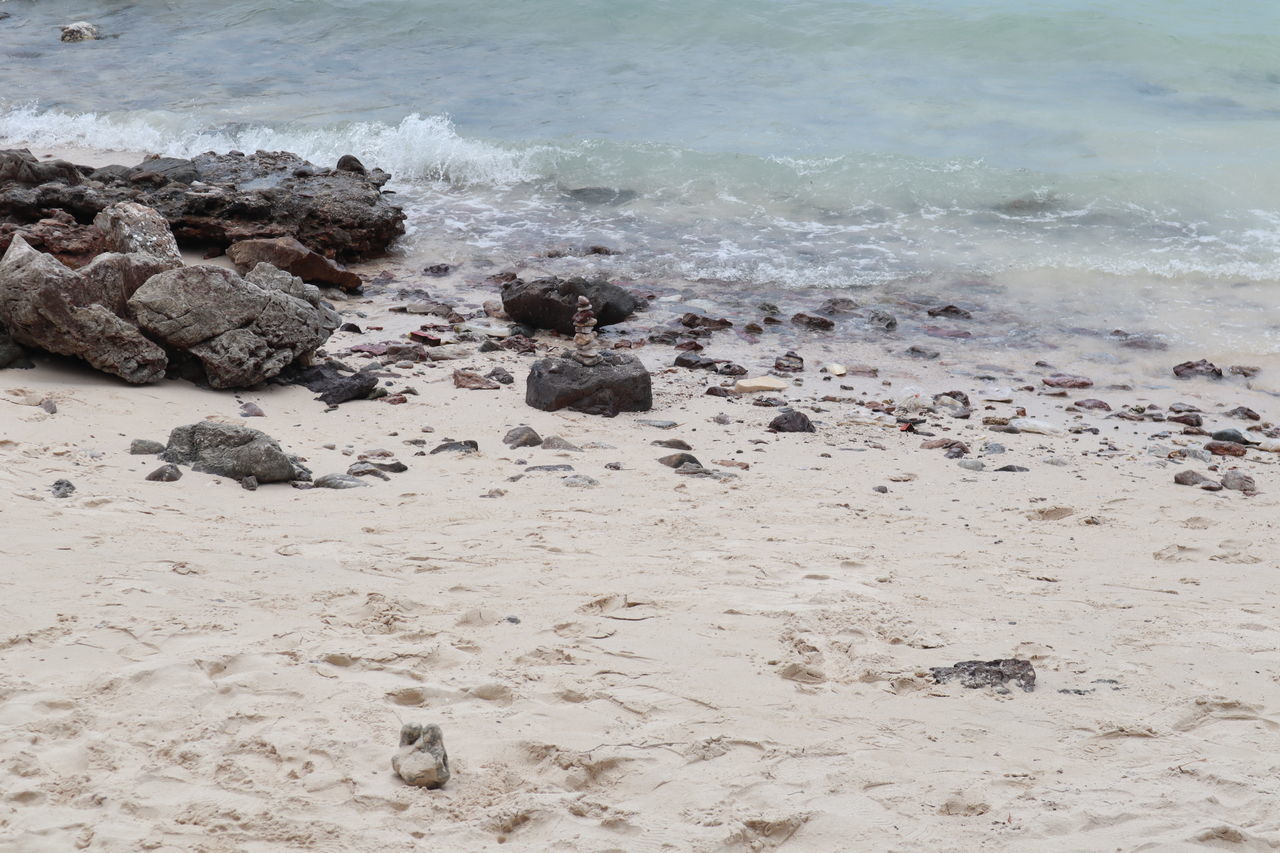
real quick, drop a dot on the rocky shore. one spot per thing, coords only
(616, 556)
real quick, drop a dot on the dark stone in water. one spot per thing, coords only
(699, 321)
(837, 305)
(991, 673)
(922, 352)
(882, 320)
(1188, 369)
(809, 321)
(950, 311)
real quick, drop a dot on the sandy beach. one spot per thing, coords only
(660, 661)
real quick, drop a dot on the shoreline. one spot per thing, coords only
(192, 665)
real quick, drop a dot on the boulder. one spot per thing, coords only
(618, 383)
(550, 303)
(58, 234)
(243, 330)
(82, 313)
(287, 254)
(232, 451)
(129, 227)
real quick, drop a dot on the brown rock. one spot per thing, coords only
(473, 381)
(1188, 369)
(1066, 380)
(288, 254)
(1226, 448)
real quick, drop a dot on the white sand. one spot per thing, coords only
(697, 665)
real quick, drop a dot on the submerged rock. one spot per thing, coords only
(618, 383)
(232, 451)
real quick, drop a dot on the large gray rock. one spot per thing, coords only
(243, 330)
(81, 313)
(287, 254)
(129, 227)
(232, 451)
(550, 303)
(619, 383)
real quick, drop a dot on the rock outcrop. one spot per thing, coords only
(550, 303)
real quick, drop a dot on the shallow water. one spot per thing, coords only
(1104, 166)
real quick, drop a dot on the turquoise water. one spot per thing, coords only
(826, 143)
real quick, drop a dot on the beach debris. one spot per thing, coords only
(338, 481)
(232, 451)
(675, 460)
(1066, 380)
(473, 381)
(522, 436)
(550, 303)
(288, 254)
(790, 363)
(80, 31)
(1239, 481)
(62, 488)
(145, 447)
(457, 447)
(792, 421)
(1188, 369)
(814, 323)
(167, 473)
(616, 383)
(421, 760)
(991, 673)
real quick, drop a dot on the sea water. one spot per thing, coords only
(1091, 164)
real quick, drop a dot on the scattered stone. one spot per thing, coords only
(251, 410)
(675, 460)
(657, 424)
(1226, 448)
(522, 436)
(699, 321)
(733, 463)
(580, 481)
(618, 383)
(249, 484)
(972, 464)
(882, 320)
(438, 270)
(1191, 419)
(1244, 370)
(1231, 435)
(760, 383)
(500, 375)
(792, 421)
(1188, 369)
(950, 311)
(1138, 340)
(550, 303)
(49, 405)
(836, 305)
(366, 469)
(286, 253)
(789, 363)
(1244, 413)
(338, 481)
(232, 451)
(421, 760)
(992, 673)
(473, 381)
(80, 31)
(1012, 469)
(335, 387)
(457, 447)
(555, 442)
(1192, 478)
(812, 322)
(145, 447)
(62, 488)
(551, 469)
(884, 490)
(1066, 380)
(1239, 481)
(922, 352)
(835, 369)
(167, 473)
(672, 443)
(769, 402)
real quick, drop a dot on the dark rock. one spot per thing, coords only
(693, 361)
(1188, 369)
(1066, 380)
(1190, 419)
(555, 442)
(792, 421)
(335, 387)
(350, 163)
(500, 375)
(21, 168)
(12, 355)
(1232, 435)
(457, 447)
(1244, 413)
(231, 451)
(672, 443)
(1239, 481)
(167, 473)
(550, 303)
(366, 469)
(59, 235)
(922, 352)
(790, 363)
(145, 447)
(62, 488)
(675, 460)
(522, 436)
(243, 331)
(338, 481)
(884, 490)
(286, 253)
(618, 383)
(728, 368)
(992, 673)
(1192, 478)
(550, 469)
(1183, 407)
(1013, 469)
(249, 484)
(950, 311)
(720, 391)
(810, 321)
(882, 320)
(769, 402)
(699, 321)
(837, 305)
(251, 410)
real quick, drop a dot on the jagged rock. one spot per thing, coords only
(500, 375)
(618, 383)
(79, 31)
(991, 673)
(167, 473)
(1187, 369)
(287, 254)
(421, 759)
(243, 330)
(59, 235)
(675, 460)
(555, 442)
(467, 446)
(469, 379)
(129, 227)
(232, 451)
(81, 313)
(335, 387)
(1239, 481)
(522, 436)
(550, 303)
(218, 199)
(1192, 478)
